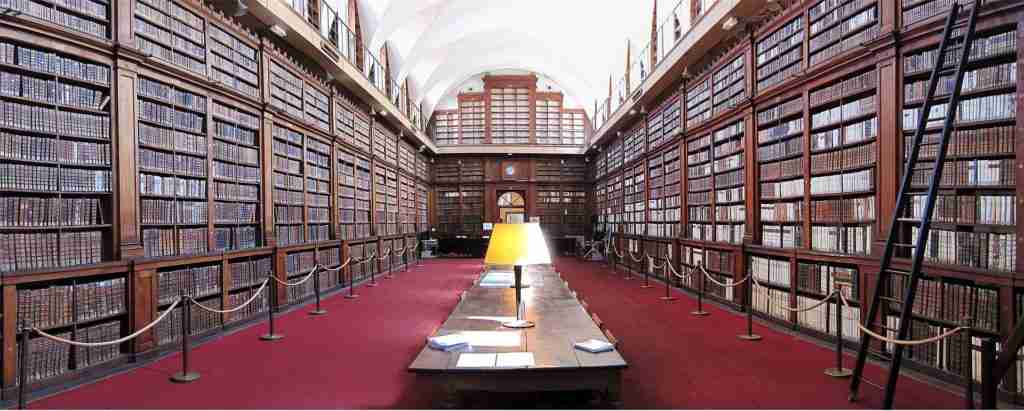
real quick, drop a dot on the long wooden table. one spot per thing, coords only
(558, 366)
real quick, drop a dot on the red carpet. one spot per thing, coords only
(356, 356)
(680, 361)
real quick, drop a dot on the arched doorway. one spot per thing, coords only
(512, 207)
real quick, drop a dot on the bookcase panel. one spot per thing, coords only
(353, 196)
(246, 276)
(699, 189)
(730, 85)
(234, 63)
(728, 168)
(471, 120)
(84, 17)
(172, 160)
(297, 266)
(88, 309)
(352, 123)
(472, 209)
(634, 143)
(780, 140)
(574, 128)
(698, 103)
(318, 108)
(510, 115)
(318, 189)
(286, 90)
(838, 26)
(975, 215)
(168, 31)
(779, 55)
(615, 150)
(448, 209)
(422, 208)
(720, 265)
(446, 127)
(664, 122)
(844, 128)
(201, 282)
(548, 123)
(55, 178)
(236, 178)
(634, 200)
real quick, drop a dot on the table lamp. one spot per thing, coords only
(517, 245)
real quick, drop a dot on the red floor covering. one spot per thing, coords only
(680, 361)
(356, 356)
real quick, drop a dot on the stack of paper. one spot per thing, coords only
(594, 346)
(448, 342)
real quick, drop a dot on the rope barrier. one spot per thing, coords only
(367, 259)
(338, 267)
(676, 273)
(654, 265)
(636, 260)
(243, 305)
(936, 338)
(300, 282)
(708, 276)
(817, 304)
(117, 341)
(386, 254)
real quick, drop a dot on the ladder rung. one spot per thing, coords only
(895, 271)
(904, 245)
(891, 299)
(910, 220)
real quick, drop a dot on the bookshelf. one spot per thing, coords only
(663, 193)
(974, 220)
(173, 163)
(548, 122)
(422, 208)
(720, 265)
(318, 189)
(779, 55)
(574, 127)
(234, 63)
(729, 179)
(839, 26)
(730, 85)
(286, 90)
(562, 209)
(236, 178)
(471, 209)
(446, 127)
(170, 32)
(407, 204)
(634, 201)
(471, 169)
(634, 143)
(88, 309)
(56, 203)
(780, 149)
(297, 266)
(352, 123)
(510, 115)
(448, 209)
(815, 280)
(380, 199)
(615, 159)
(246, 274)
(698, 103)
(699, 194)
(663, 123)
(202, 282)
(472, 119)
(771, 294)
(391, 198)
(384, 148)
(289, 186)
(615, 204)
(82, 17)
(844, 129)
(600, 165)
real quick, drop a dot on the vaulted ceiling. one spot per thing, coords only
(439, 44)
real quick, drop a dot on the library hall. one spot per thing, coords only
(493, 204)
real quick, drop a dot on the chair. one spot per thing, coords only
(597, 320)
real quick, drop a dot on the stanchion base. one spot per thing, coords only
(663, 298)
(749, 337)
(838, 372)
(372, 284)
(271, 337)
(518, 324)
(352, 296)
(646, 286)
(700, 313)
(318, 312)
(184, 378)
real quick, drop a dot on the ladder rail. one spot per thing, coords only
(903, 198)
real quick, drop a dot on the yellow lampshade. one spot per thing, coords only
(517, 244)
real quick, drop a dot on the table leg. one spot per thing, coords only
(614, 393)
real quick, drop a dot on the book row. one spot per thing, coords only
(50, 250)
(949, 301)
(843, 210)
(169, 330)
(51, 91)
(235, 238)
(53, 63)
(992, 251)
(49, 212)
(821, 279)
(966, 143)
(170, 186)
(842, 240)
(195, 282)
(968, 209)
(43, 120)
(160, 242)
(173, 212)
(963, 173)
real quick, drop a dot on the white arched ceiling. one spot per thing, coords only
(439, 44)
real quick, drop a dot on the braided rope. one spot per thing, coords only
(300, 282)
(708, 276)
(338, 267)
(243, 305)
(386, 254)
(117, 341)
(936, 338)
(367, 259)
(676, 273)
(636, 260)
(654, 265)
(817, 304)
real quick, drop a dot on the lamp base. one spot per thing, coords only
(318, 312)
(668, 298)
(518, 324)
(700, 313)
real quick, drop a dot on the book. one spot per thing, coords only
(450, 342)
(594, 346)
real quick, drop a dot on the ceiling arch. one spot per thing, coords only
(439, 44)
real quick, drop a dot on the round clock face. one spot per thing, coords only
(510, 170)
